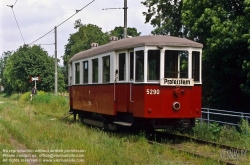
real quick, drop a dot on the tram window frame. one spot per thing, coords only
(85, 72)
(175, 62)
(106, 69)
(139, 66)
(77, 73)
(122, 66)
(95, 70)
(131, 65)
(196, 57)
(153, 65)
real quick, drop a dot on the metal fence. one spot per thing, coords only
(223, 116)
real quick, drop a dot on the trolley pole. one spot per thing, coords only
(125, 19)
(55, 61)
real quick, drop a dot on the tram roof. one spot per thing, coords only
(129, 43)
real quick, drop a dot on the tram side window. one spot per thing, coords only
(139, 65)
(95, 70)
(176, 64)
(105, 69)
(153, 64)
(196, 66)
(77, 73)
(85, 71)
(131, 65)
(122, 67)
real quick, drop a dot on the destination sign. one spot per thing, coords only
(176, 82)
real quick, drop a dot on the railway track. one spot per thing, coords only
(223, 154)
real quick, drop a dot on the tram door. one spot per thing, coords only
(124, 83)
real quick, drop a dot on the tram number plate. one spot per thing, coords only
(153, 91)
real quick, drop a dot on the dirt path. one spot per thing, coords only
(17, 146)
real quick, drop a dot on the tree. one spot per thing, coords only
(3, 61)
(165, 16)
(82, 39)
(30, 61)
(119, 32)
(223, 28)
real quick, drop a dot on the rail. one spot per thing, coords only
(223, 116)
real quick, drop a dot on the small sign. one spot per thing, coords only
(34, 78)
(176, 82)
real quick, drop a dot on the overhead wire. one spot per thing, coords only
(11, 6)
(18, 25)
(63, 22)
(15, 3)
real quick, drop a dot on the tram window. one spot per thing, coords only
(77, 73)
(122, 67)
(196, 66)
(95, 70)
(85, 71)
(153, 64)
(105, 69)
(183, 64)
(131, 65)
(139, 66)
(176, 64)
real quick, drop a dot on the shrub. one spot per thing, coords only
(25, 97)
(207, 132)
(244, 127)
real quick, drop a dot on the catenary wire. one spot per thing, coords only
(17, 24)
(15, 3)
(62, 22)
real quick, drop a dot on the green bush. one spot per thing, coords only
(25, 97)
(245, 127)
(229, 133)
(207, 132)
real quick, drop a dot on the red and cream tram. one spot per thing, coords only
(145, 81)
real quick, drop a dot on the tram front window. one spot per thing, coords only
(176, 64)
(196, 66)
(153, 65)
(139, 65)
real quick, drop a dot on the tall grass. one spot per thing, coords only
(39, 124)
(224, 134)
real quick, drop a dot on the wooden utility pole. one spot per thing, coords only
(55, 61)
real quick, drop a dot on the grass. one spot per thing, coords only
(224, 134)
(39, 125)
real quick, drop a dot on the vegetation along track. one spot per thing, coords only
(223, 154)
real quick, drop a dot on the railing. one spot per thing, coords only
(223, 116)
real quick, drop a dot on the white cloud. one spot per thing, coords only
(36, 18)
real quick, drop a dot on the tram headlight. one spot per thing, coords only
(176, 106)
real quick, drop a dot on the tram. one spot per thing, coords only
(145, 81)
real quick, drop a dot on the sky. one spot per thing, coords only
(35, 18)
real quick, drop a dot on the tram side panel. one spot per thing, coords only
(93, 98)
(138, 96)
(196, 101)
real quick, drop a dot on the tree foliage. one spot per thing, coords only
(119, 32)
(82, 39)
(165, 16)
(223, 28)
(30, 61)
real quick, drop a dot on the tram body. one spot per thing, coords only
(144, 81)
